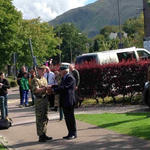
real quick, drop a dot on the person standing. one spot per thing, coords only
(4, 85)
(24, 84)
(66, 89)
(50, 76)
(57, 97)
(32, 75)
(76, 75)
(19, 76)
(39, 88)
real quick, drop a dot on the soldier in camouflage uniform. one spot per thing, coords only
(39, 87)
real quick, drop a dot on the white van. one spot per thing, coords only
(114, 56)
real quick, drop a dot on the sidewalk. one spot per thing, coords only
(22, 135)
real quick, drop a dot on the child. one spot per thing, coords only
(25, 89)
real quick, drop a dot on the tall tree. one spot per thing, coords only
(9, 25)
(43, 39)
(74, 42)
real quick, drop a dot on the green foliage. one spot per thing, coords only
(72, 41)
(9, 24)
(148, 1)
(2, 147)
(134, 124)
(43, 38)
(135, 33)
(108, 29)
(13, 83)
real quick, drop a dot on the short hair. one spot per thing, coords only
(1, 73)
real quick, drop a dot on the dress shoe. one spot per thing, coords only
(70, 137)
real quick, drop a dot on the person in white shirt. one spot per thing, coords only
(50, 77)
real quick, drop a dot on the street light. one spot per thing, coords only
(70, 51)
(59, 35)
(119, 22)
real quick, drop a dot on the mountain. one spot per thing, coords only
(92, 18)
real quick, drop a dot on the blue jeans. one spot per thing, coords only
(4, 107)
(25, 96)
(33, 98)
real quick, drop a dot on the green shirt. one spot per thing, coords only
(24, 83)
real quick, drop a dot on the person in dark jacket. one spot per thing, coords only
(76, 75)
(66, 90)
(19, 76)
(4, 85)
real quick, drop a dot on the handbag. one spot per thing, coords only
(5, 123)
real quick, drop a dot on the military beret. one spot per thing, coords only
(64, 67)
(42, 67)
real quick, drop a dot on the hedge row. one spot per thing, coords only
(112, 79)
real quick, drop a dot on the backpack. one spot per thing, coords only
(5, 123)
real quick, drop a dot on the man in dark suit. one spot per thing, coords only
(66, 89)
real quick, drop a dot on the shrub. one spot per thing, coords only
(122, 78)
(13, 83)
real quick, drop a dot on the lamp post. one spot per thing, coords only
(59, 47)
(119, 22)
(70, 51)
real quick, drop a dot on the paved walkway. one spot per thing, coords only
(22, 135)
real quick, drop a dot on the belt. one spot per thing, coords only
(41, 96)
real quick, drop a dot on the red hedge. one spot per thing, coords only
(112, 79)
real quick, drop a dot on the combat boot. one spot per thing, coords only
(42, 138)
(47, 137)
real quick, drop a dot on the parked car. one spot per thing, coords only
(114, 56)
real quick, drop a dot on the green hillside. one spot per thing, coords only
(93, 17)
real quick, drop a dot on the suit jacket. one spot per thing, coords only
(66, 90)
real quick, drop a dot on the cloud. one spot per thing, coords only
(46, 9)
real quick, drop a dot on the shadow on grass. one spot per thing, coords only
(120, 122)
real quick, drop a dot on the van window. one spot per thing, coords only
(86, 58)
(126, 56)
(143, 54)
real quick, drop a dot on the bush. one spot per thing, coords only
(124, 78)
(13, 83)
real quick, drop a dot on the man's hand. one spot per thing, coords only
(49, 89)
(1, 84)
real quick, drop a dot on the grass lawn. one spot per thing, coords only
(2, 147)
(134, 124)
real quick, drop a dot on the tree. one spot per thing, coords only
(9, 25)
(135, 30)
(73, 41)
(43, 38)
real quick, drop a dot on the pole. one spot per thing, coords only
(33, 57)
(70, 52)
(59, 49)
(30, 42)
(119, 23)
(14, 58)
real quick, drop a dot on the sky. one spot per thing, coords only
(47, 9)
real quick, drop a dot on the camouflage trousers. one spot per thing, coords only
(41, 112)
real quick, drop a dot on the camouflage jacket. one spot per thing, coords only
(38, 83)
